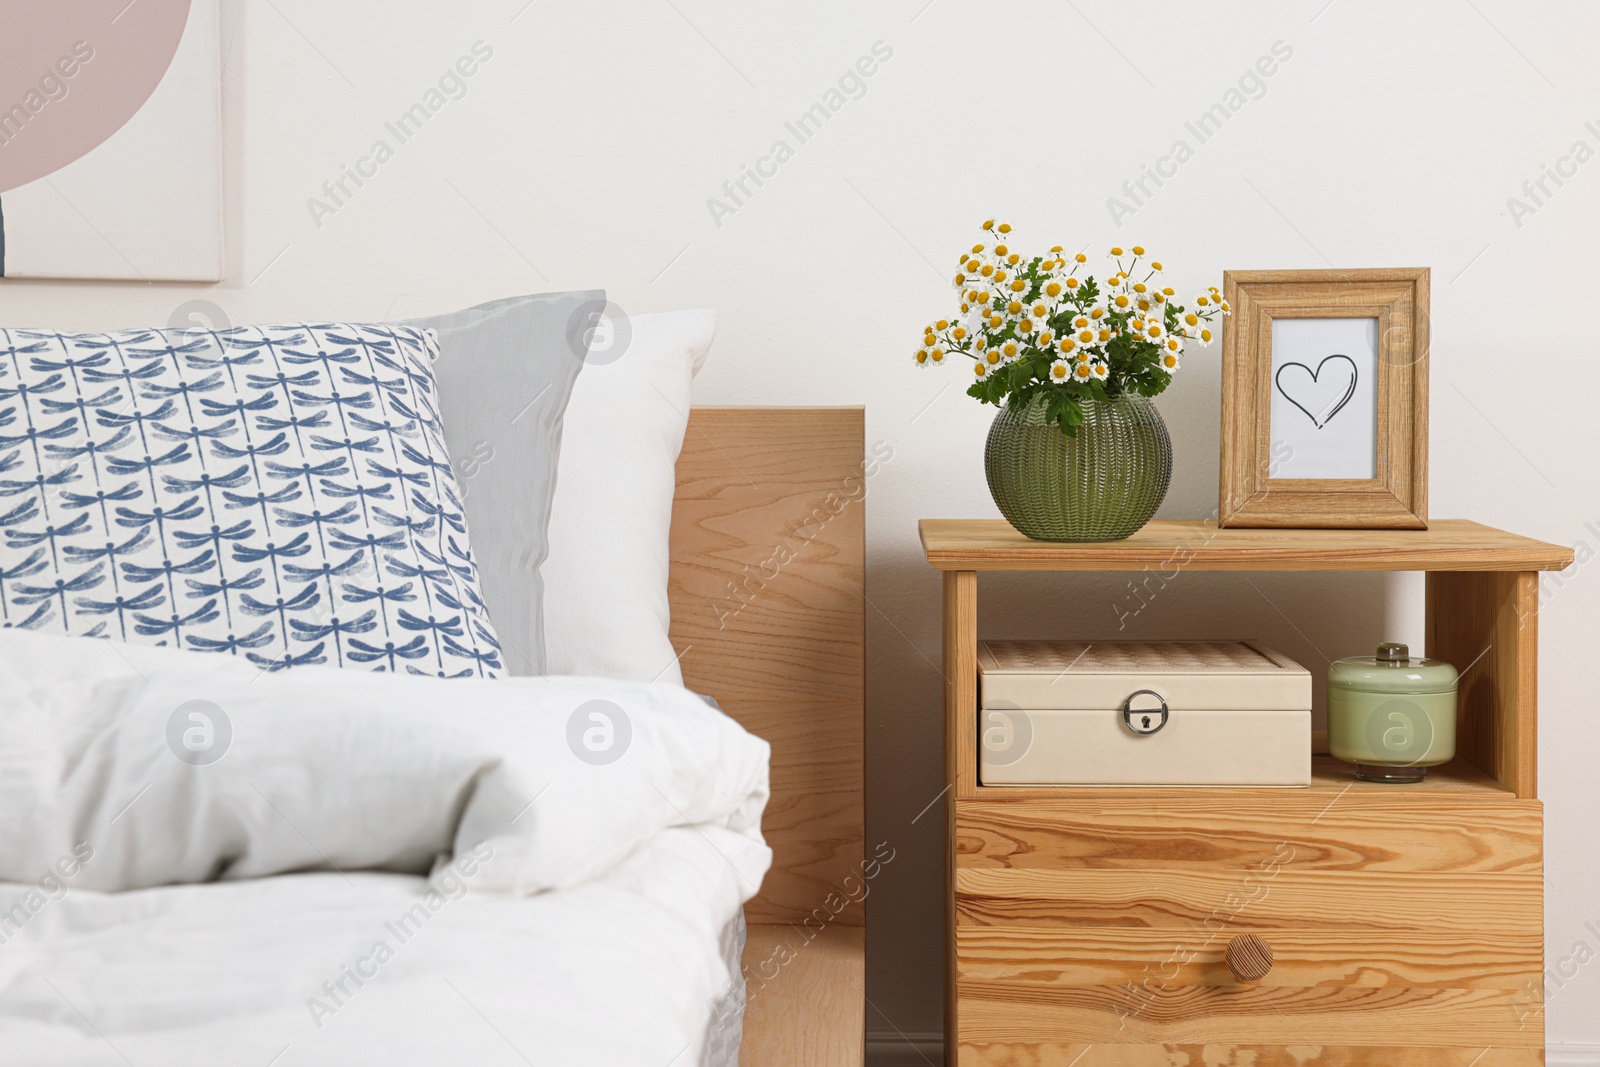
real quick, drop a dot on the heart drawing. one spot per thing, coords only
(1320, 396)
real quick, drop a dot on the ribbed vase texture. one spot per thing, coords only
(1101, 485)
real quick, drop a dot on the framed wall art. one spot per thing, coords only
(1325, 399)
(110, 140)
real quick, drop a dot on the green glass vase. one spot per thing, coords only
(1100, 485)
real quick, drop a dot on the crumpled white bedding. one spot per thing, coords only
(409, 870)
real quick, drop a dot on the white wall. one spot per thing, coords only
(586, 148)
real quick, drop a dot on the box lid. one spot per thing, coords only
(1092, 675)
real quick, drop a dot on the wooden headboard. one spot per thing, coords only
(768, 592)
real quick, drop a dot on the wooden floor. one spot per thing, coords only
(807, 998)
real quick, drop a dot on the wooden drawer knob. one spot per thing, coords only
(1249, 958)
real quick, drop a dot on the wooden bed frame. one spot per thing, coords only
(768, 591)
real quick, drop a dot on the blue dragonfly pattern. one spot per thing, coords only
(280, 493)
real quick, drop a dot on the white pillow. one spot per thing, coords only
(605, 579)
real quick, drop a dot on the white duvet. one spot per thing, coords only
(202, 864)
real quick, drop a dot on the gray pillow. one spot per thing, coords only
(505, 372)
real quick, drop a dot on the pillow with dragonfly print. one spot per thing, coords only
(276, 492)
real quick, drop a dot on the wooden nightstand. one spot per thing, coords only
(1090, 926)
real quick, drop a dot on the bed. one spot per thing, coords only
(790, 665)
(599, 940)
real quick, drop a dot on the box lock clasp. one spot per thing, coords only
(1144, 721)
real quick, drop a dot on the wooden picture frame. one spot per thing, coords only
(1288, 458)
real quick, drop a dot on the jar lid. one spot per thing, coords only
(1392, 670)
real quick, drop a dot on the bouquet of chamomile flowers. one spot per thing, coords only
(1038, 327)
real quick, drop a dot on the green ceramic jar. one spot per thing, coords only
(1391, 715)
(1101, 484)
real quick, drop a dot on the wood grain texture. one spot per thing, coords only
(1265, 1014)
(1172, 545)
(1292, 1053)
(807, 1001)
(767, 588)
(960, 667)
(1397, 496)
(1362, 905)
(1248, 957)
(1119, 956)
(1329, 777)
(1181, 1015)
(1440, 833)
(1487, 625)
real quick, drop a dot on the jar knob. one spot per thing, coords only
(1249, 957)
(1393, 652)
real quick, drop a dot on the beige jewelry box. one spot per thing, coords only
(1224, 713)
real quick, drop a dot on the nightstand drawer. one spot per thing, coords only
(1359, 828)
(1136, 957)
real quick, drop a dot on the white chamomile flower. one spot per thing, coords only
(1016, 309)
(1010, 351)
(1174, 345)
(981, 369)
(1061, 371)
(1046, 338)
(1169, 361)
(1083, 371)
(1100, 371)
(936, 355)
(1025, 326)
(1067, 344)
(1080, 322)
(1054, 289)
(1038, 310)
(1122, 302)
(1085, 337)
(1205, 336)
(1097, 314)
(922, 357)
(1154, 330)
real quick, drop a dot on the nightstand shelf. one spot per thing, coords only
(1329, 778)
(1089, 925)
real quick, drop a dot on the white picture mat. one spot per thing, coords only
(1309, 381)
(146, 204)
